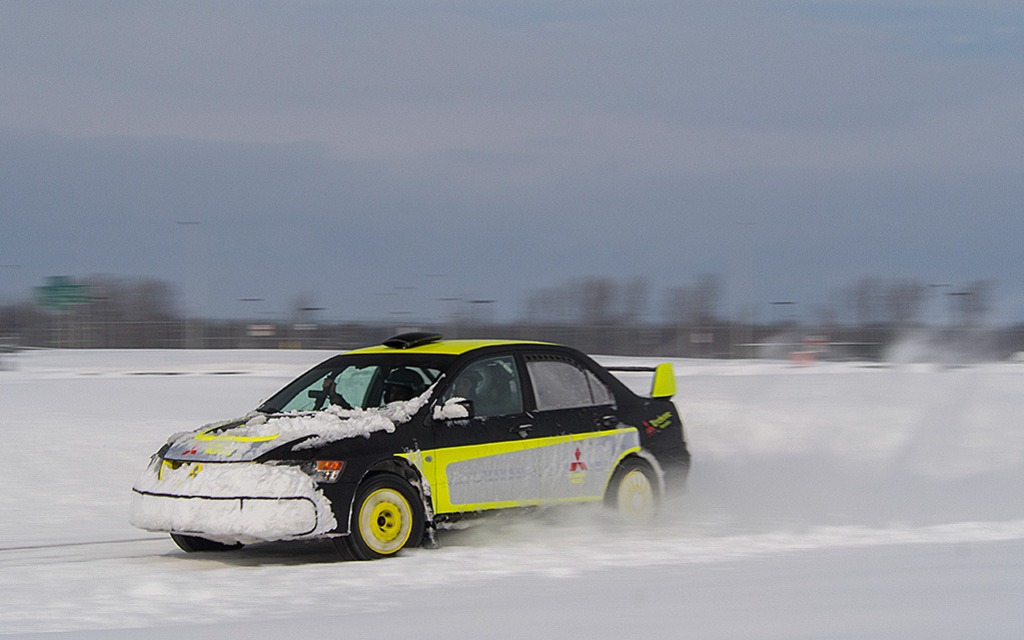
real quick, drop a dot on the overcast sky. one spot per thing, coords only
(378, 156)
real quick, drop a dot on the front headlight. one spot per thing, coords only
(328, 471)
(322, 471)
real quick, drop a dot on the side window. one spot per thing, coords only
(559, 383)
(492, 384)
(400, 383)
(353, 384)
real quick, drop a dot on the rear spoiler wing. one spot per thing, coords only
(663, 387)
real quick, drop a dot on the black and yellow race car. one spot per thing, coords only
(377, 447)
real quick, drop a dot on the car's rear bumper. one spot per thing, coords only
(235, 502)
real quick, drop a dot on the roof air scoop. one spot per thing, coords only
(412, 339)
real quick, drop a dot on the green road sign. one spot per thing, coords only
(61, 293)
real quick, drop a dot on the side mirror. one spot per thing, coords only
(664, 385)
(453, 409)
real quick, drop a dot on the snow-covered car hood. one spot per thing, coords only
(253, 435)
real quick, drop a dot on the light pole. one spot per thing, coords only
(777, 304)
(252, 327)
(251, 299)
(485, 316)
(937, 290)
(448, 316)
(748, 227)
(14, 307)
(387, 306)
(195, 329)
(436, 287)
(305, 324)
(962, 300)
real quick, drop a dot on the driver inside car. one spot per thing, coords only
(402, 384)
(330, 389)
(466, 386)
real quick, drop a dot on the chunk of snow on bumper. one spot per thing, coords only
(230, 502)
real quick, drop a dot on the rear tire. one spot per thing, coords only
(191, 544)
(633, 491)
(387, 516)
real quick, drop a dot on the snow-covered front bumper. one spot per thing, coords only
(230, 502)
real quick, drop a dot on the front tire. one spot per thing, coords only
(191, 544)
(633, 491)
(387, 516)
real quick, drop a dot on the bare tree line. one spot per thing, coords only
(871, 301)
(597, 314)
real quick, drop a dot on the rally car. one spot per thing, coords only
(378, 447)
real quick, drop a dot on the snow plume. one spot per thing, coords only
(946, 347)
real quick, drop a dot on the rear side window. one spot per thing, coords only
(560, 383)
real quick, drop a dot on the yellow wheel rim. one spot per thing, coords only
(385, 521)
(635, 498)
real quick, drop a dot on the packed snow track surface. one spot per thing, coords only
(834, 500)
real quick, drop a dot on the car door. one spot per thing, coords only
(569, 400)
(487, 454)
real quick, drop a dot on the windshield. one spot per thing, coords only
(359, 382)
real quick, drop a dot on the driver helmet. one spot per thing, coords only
(402, 384)
(467, 384)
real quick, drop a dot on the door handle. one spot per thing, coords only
(523, 430)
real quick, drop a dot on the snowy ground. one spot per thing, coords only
(825, 501)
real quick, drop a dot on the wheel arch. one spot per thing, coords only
(645, 457)
(403, 468)
(386, 474)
